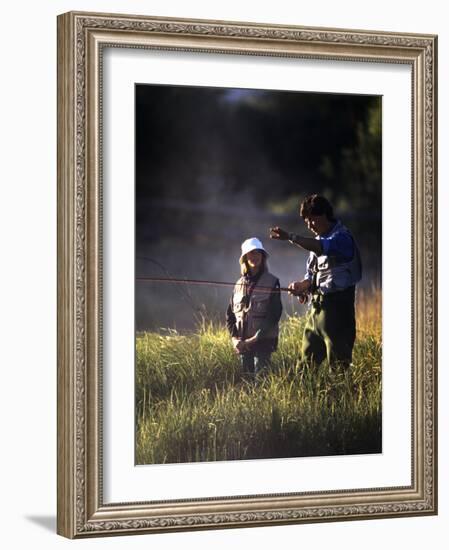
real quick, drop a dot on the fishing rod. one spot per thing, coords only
(183, 291)
(263, 289)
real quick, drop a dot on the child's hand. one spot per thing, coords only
(249, 342)
(238, 345)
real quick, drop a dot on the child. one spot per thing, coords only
(254, 311)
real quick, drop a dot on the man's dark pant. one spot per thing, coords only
(330, 328)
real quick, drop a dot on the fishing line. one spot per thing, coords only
(185, 294)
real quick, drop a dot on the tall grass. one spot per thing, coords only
(192, 403)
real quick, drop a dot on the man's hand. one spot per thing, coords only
(299, 288)
(278, 233)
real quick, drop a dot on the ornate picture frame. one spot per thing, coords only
(82, 509)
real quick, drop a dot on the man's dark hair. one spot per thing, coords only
(316, 205)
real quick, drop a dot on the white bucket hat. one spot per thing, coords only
(252, 244)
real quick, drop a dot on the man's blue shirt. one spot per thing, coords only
(338, 244)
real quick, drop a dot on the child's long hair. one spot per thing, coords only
(244, 267)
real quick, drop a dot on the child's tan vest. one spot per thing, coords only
(250, 317)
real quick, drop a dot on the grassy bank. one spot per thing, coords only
(192, 403)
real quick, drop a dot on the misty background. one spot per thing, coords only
(215, 166)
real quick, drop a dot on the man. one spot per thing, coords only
(333, 270)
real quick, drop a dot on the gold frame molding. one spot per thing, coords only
(81, 38)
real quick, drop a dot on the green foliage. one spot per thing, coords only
(357, 166)
(192, 403)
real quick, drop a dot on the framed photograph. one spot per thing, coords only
(246, 274)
